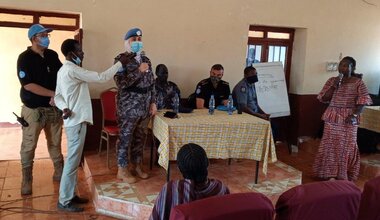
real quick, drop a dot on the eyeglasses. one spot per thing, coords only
(43, 35)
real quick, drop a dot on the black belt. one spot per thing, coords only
(139, 90)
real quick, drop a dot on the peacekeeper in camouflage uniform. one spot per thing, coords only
(165, 90)
(135, 103)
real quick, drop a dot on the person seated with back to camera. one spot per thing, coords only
(193, 163)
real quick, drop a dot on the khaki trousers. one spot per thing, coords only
(46, 118)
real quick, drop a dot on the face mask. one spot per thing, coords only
(215, 79)
(44, 42)
(136, 46)
(252, 79)
(76, 59)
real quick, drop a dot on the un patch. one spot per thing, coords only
(198, 90)
(243, 89)
(21, 74)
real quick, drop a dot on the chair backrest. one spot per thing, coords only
(108, 102)
(322, 200)
(370, 202)
(233, 206)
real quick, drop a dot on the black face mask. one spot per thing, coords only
(252, 79)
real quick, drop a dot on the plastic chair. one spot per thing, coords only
(109, 120)
(328, 200)
(233, 206)
(369, 204)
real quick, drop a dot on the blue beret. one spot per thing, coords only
(36, 29)
(132, 33)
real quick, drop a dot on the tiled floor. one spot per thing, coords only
(118, 198)
(42, 205)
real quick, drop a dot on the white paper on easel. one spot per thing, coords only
(272, 94)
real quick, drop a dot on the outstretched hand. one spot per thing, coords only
(125, 58)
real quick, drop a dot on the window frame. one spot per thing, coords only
(265, 42)
(36, 19)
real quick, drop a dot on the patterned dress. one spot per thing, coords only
(178, 192)
(338, 155)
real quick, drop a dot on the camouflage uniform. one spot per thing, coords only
(136, 93)
(165, 94)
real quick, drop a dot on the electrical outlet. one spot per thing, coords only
(331, 66)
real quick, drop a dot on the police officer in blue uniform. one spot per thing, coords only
(136, 102)
(214, 85)
(245, 98)
(244, 94)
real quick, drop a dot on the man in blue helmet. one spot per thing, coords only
(136, 102)
(37, 69)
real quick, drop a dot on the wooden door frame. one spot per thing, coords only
(265, 42)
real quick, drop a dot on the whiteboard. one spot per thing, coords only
(272, 94)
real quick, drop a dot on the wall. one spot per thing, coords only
(14, 41)
(190, 36)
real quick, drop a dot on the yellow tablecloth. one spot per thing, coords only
(370, 118)
(222, 136)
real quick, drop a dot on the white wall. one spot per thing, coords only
(190, 36)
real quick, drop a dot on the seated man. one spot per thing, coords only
(245, 98)
(192, 162)
(214, 85)
(244, 94)
(165, 90)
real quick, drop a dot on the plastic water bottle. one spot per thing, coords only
(211, 105)
(176, 103)
(230, 105)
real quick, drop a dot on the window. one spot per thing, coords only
(270, 44)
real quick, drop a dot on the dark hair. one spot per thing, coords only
(217, 67)
(193, 162)
(248, 69)
(159, 67)
(68, 46)
(351, 60)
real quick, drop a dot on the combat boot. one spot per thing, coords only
(27, 180)
(58, 168)
(140, 172)
(125, 175)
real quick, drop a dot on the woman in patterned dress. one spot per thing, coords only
(338, 155)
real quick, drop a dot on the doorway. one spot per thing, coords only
(14, 25)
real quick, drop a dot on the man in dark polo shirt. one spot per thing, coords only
(37, 69)
(214, 85)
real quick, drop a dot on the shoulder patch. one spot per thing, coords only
(243, 89)
(21, 74)
(224, 82)
(198, 90)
